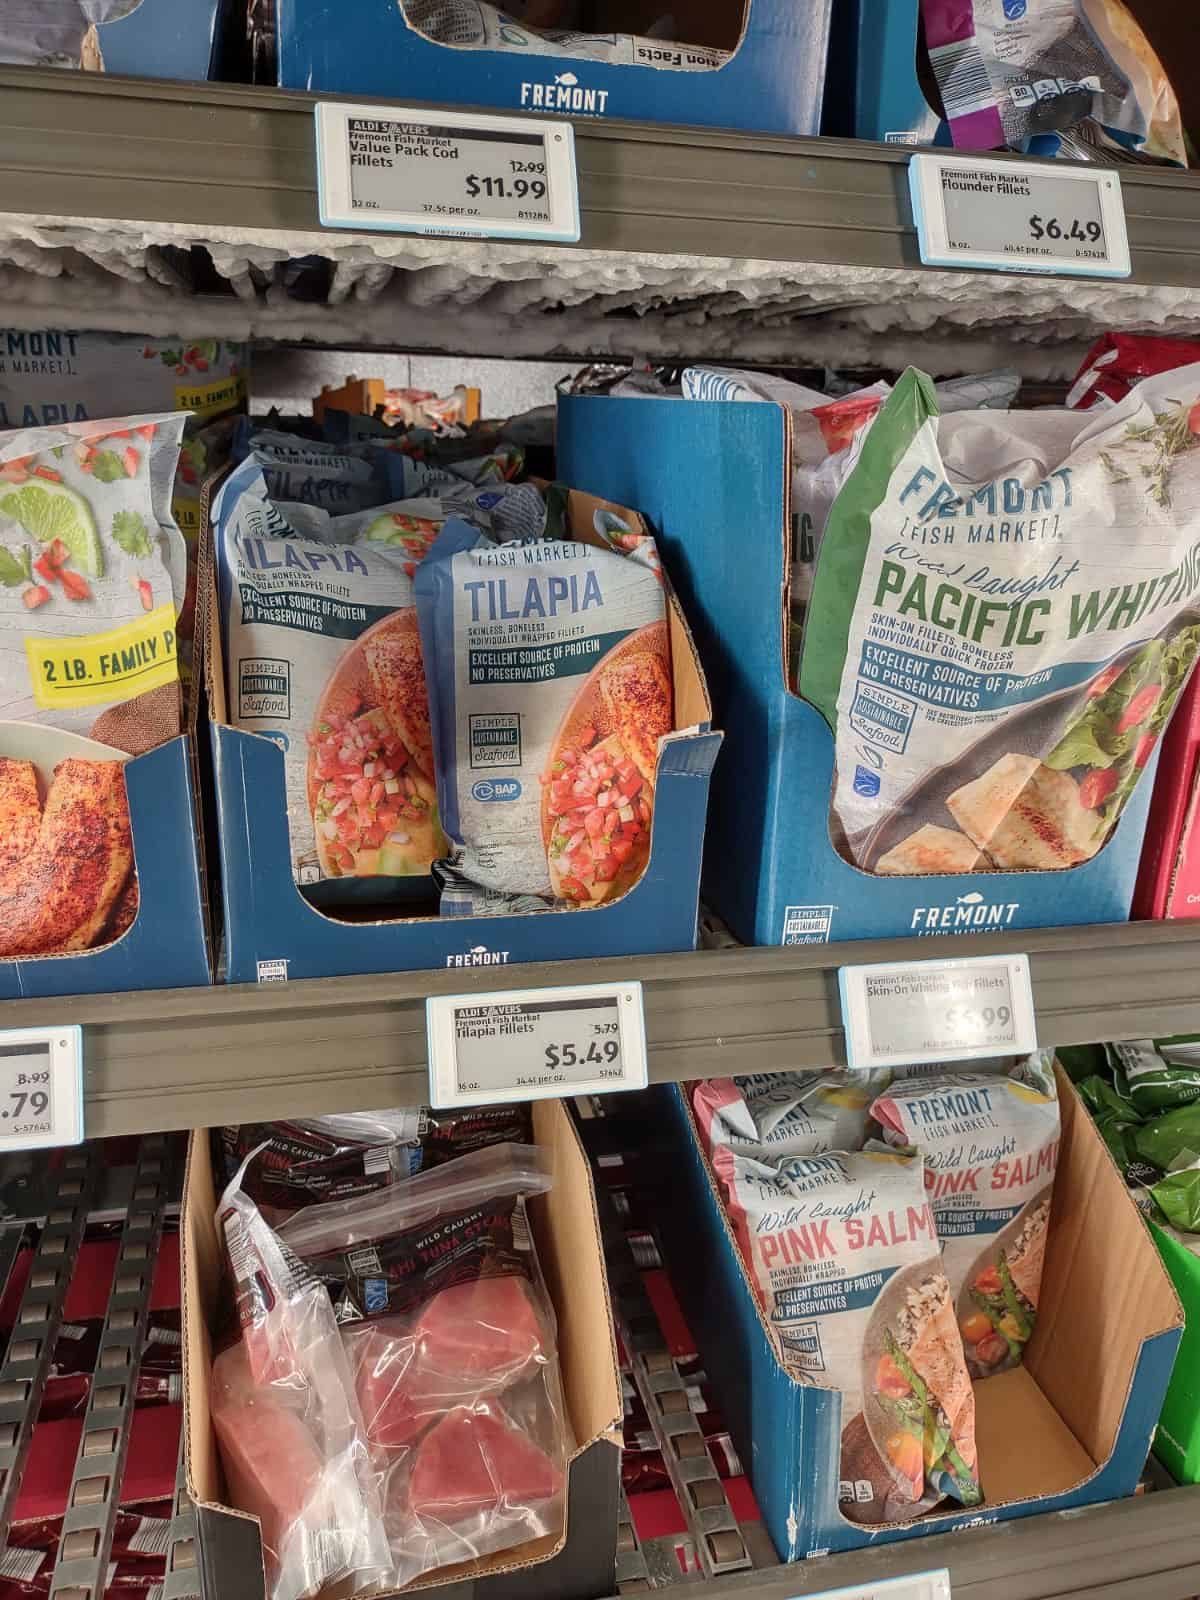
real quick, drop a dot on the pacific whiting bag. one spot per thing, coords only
(843, 1255)
(774, 1114)
(323, 655)
(1005, 611)
(1160, 1073)
(550, 688)
(990, 1143)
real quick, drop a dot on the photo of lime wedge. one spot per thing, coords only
(52, 511)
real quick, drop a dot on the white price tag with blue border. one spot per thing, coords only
(1013, 216)
(41, 1087)
(535, 1044)
(914, 1586)
(961, 1009)
(394, 169)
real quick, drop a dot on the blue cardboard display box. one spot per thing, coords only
(714, 478)
(163, 38)
(273, 933)
(873, 90)
(166, 946)
(771, 83)
(1070, 1428)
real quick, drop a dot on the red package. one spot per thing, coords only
(1118, 361)
(1168, 883)
(453, 1352)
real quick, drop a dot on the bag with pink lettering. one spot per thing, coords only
(843, 1255)
(990, 1143)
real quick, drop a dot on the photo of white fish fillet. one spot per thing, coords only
(932, 849)
(1024, 814)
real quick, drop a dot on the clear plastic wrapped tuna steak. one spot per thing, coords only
(287, 1420)
(451, 1339)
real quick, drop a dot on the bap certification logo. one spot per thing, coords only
(496, 789)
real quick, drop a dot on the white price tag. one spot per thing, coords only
(896, 1012)
(41, 1087)
(535, 1044)
(397, 170)
(913, 1586)
(1016, 217)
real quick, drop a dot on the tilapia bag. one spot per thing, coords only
(843, 1255)
(1004, 615)
(93, 571)
(774, 1114)
(323, 655)
(990, 1143)
(1051, 77)
(550, 688)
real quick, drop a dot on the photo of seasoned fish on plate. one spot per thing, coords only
(67, 877)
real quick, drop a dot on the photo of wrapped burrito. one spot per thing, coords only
(1006, 609)
(998, 1302)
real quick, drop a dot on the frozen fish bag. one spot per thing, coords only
(773, 1114)
(990, 1143)
(843, 1255)
(550, 688)
(1004, 615)
(323, 655)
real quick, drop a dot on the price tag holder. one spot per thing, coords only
(896, 1012)
(1056, 218)
(41, 1087)
(913, 1586)
(535, 1044)
(397, 170)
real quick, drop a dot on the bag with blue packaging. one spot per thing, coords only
(550, 689)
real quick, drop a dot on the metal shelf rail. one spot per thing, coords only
(180, 1058)
(82, 145)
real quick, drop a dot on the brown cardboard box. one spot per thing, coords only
(578, 1566)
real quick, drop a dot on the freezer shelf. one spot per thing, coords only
(181, 1058)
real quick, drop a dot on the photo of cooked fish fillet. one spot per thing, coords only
(78, 865)
(931, 1340)
(1025, 814)
(20, 817)
(636, 695)
(1028, 1251)
(124, 911)
(397, 671)
(932, 849)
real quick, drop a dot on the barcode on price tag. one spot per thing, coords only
(535, 1044)
(964, 1009)
(41, 1087)
(1019, 217)
(395, 169)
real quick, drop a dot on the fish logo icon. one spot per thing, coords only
(972, 899)
(479, 949)
(568, 78)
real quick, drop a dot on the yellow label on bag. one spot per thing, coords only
(187, 516)
(105, 668)
(210, 399)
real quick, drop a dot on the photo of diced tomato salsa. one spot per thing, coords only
(601, 810)
(367, 802)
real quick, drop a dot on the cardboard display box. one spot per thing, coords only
(578, 1566)
(772, 82)
(272, 932)
(714, 479)
(1069, 1428)
(164, 38)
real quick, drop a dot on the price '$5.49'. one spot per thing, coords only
(598, 1053)
(1052, 228)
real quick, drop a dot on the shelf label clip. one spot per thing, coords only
(41, 1087)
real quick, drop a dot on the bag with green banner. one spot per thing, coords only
(1003, 617)
(1161, 1073)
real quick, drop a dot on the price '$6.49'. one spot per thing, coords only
(1052, 228)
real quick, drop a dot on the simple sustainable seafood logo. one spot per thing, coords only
(564, 93)
(971, 910)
